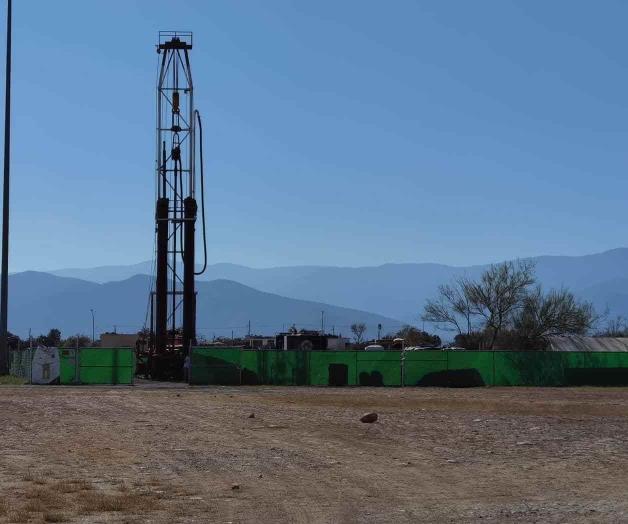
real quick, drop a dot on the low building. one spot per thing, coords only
(304, 340)
(259, 342)
(308, 340)
(118, 340)
(336, 343)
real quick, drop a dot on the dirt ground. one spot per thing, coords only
(179, 454)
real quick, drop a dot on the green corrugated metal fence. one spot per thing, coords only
(97, 365)
(412, 368)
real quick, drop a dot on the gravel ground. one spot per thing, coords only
(180, 454)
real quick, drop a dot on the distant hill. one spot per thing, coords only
(102, 274)
(41, 301)
(400, 290)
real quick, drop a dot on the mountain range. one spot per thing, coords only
(399, 290)
(40, 301)
(229, 295)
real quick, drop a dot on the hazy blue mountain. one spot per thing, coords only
(610, 296)
(102, 274)
(41, 301)
(400, 290)
(246, 275)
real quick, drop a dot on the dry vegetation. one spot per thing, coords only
(147, 454)
(9, 380)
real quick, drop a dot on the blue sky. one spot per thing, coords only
(341, 133)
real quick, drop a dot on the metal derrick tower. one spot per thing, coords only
(174, 299)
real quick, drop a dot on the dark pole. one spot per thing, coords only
(189, 295)
(93, 328)
(4, 280)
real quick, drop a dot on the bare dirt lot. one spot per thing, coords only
(158, 454)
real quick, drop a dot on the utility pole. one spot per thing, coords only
(322, 323)
(4, 278)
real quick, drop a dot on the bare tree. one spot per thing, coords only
(358, 330)
(452, 309)
(503, 302)
(499, 293)
(555, 313)
(615, 327)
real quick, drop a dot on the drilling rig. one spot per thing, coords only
(173, 301)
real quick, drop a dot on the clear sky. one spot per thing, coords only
(341, 133)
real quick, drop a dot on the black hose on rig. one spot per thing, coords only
(200, 139)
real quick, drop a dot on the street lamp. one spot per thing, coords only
(93, 330)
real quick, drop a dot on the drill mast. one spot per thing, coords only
(174, 299)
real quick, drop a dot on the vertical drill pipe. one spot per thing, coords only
(161, 287)
(189, 293)
(151, 332)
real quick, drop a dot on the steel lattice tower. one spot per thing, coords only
(175, 216)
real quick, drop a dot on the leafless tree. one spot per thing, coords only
(358, 330)
(555, 313)
(503, 301)
(499, 293)
(615, 327)
(452, 309)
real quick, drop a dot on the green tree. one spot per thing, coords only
(415, 337)
(71, 342)
(52, 339)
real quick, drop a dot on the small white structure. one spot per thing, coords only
(45, 366)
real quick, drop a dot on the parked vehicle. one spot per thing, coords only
(374, 347)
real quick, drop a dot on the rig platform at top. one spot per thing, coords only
(174, 40)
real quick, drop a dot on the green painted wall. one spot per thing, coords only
(520, 368)
(415, 368)
(320, 362)
(481, 361)
(215, 366)
(379, 368)
(418, 364)
(97, 366)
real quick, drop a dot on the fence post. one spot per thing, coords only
(77, 365)
(493, 384)
(190, 363)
